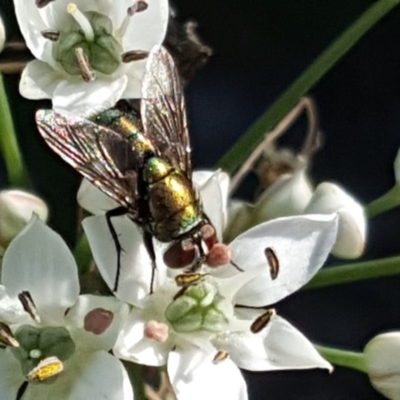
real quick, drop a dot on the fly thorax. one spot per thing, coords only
(156, 169)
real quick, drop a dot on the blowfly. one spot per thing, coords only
(144, 164)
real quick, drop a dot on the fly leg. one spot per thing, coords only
(148, 242)
(116, 212)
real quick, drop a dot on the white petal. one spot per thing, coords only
(96, 375)
(279, 346)
(136, 271)
(147, 29)
(289, 195)
(88, 341)
(87, 98)
(132, 345)
(11, 376)
(195, 377)
(38, 80)
(94, 200)
(31, 24)
(213, 203)
(11, 310)
(39, 261)
(382, 362)
(329, 198)
(301, 245)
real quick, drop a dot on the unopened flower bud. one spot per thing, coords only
(289, 195)
(329, 198)
(381, 357)
(2, 34)
(16, 210)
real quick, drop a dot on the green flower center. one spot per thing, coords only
(87, 44)
(38, 344)
(200, 307)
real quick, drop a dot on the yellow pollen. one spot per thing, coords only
(47, 368)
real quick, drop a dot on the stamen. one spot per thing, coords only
(7, 337)
(262, 321)
(188, 279)
(134, 55)
(220, 356)
(50, 34)
(138, 6)
(29, 306)
(157, 331)
(47, 368)
(81, 19)
(42, 3)
(273, 262)
(87, 72)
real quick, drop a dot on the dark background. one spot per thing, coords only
(260, 47)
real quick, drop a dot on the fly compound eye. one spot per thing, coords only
(209, 235)
(178, 256)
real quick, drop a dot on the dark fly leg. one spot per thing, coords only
(116, 212)
(148, 242)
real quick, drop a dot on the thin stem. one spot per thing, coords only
(389, 200)
(82, 254)
(343, 358)
(355, 272)
(8, 143)
(244, 146)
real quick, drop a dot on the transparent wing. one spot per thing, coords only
(163, 110)
(101, 155)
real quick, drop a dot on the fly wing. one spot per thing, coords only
(163, 110)
(101, 155)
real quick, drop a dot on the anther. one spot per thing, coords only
(220, 356)
(158, 331)
(47, 368)
(262, 321)
(28, 305)
(134, 55)
(273, 262)
(50, 34)
(132, 10)
(87, 72)
(42, 3)
(7, 337)
(82, 21)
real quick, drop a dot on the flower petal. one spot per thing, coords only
(147, 28)
(39, 261)
(279, 346)
(132, 345)
(194, 376)
(11, 310)
(38, 80)
(87, 98)
(136, 271)
(89, 341)
(96, 375)
(31, 24)
(93, 199)
(11, 376)
(301, 245)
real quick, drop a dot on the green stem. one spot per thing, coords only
(355, 272)
(8, 143)
(244, 146)
(343, 358)
(83, 255)
(389, 200)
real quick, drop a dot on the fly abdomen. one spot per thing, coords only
(173, 205)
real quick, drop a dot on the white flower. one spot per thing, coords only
(16, 210)
(189, 329)
(329, 198)
(51, 325)
(79, 64)
(381, 356)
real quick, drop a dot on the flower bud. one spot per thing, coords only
(16, 210)
(2, 34)
(240, 215)
(289, 195)
(329, 198)
(381, 356)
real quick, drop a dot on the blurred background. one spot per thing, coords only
(260, 47)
